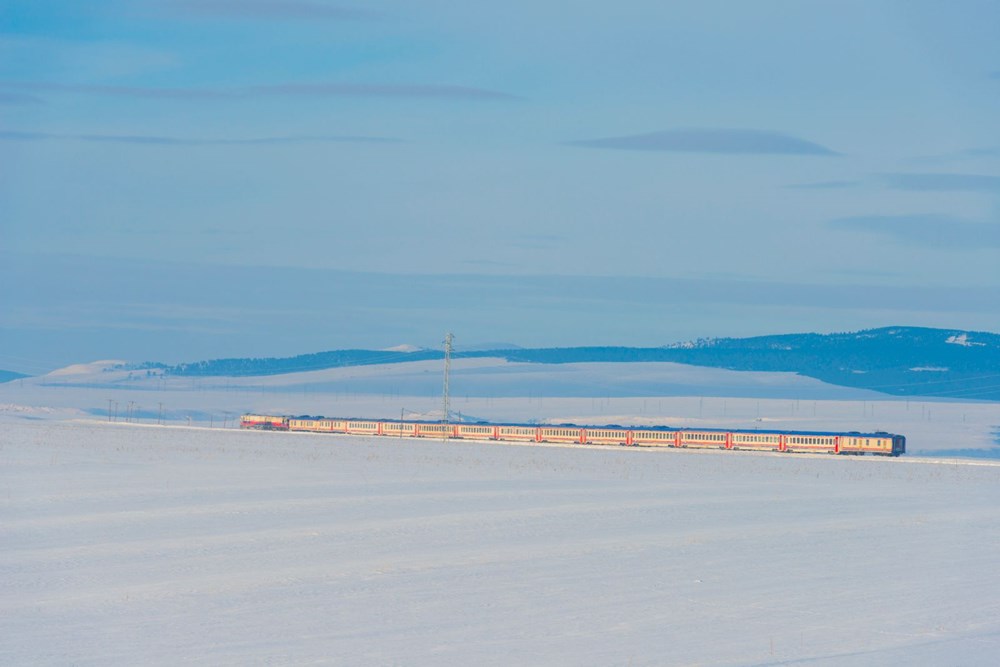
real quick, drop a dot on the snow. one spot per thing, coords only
(86, 369)
(404, 347)
(500, 391)
(963, 340)
(127, 543)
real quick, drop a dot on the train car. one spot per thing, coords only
(655, 438)
(884, 444)
(518, 433)
(757, 441)
(264, 422)
(477, 431)
(822, 443)
(362, 427)
(568, 434)
(299, 424)
(435, 430)
(704, 439)
(320, 425)
(399, 429)
(607, 436)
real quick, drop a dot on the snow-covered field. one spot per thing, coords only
(126, 544)
(497, 391)
(193, 542)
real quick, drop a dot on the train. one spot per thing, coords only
(880, 443)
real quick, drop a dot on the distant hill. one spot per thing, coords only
(904, 361)
(7, 376)
(298, 364)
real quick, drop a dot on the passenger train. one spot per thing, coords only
(885, 444)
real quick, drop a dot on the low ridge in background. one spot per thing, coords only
(903, 361)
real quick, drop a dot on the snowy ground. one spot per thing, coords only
(495, 390)
(127, 544)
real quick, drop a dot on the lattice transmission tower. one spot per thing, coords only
(447, 371)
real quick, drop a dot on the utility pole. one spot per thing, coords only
(447, 370)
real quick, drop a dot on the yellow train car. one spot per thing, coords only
(572, 435)
(476, 431)
(518, 433)
(399, 429)
(827, 444)
(434, 430)
(884, 444)
(704, 439)
(655, 438)
(607, 436)
(756, 441)
(358, 427)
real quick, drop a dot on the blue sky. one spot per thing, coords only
(537, 173)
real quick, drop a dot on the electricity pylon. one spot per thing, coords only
(447, 370)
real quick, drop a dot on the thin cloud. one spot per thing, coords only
(18, 98)
(932, 182)
(270, 10)
(824, 185)
(987, 151)
(120, 91)
(707, 140)
(379, 90)
(384, 90)
(979, 152)
(151, 140)
(937, 231)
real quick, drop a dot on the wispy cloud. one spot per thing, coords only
(151, 140)
(537, 241)
(119, 91)
(968, 153)
(379, 90)
(270, 10)
(396, 90)
(938, 231)
(708, 140)
(824, 185)
(18, 98)
(986, 151)
(933, 182)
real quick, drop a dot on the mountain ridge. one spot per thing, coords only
(902, 361)
(10, 376)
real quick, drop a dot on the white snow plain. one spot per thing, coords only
(499, 391)
(127, 544)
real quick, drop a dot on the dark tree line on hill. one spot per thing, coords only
(893, 360)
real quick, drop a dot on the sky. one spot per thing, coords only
(192, 179)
